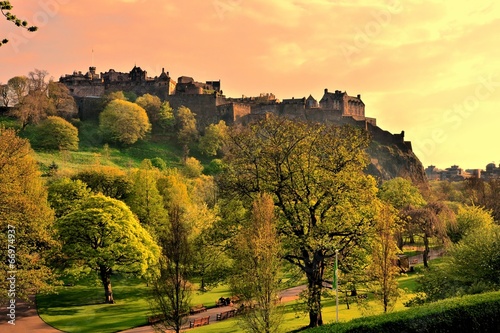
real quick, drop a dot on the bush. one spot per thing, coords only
(474, 313)
(124, 122)
(55, 133)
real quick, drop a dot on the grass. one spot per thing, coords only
(80, 308)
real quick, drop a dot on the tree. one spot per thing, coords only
(26, 220)
(18, 85)
(171, 289)
(152, 105)
(145, 199)
(5, 94)
(64, 194)
(110, 181)
(469, 219)
(124, 122)
(56, 133)
(103, 234)
(111, 96)
(471, 266)
(192, 167)
(315, 174)
(166, 119)
(5, 8)
(429, 221)
(185, 126)
(401, 194)
(61, 100)
(211, 143)
(257, 267)
(383, 268)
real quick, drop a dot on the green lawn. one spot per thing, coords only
(80, 308)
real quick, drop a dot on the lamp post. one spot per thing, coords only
(335, 281)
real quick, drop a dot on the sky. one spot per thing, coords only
(428, 67)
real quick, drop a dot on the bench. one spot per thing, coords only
(199, 322)
(414, 261)
(155, 319)
(225, 315)
(197, 309)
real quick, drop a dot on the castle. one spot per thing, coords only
(207, 101)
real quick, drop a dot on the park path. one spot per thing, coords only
(28, 321)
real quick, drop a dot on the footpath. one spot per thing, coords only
(28, 321)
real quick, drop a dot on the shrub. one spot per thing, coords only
(55, 133)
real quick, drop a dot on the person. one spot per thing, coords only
(222, 301)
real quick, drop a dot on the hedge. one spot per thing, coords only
(472, 313)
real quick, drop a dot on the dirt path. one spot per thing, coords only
(27, 320)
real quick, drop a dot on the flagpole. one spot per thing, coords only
(336, 284)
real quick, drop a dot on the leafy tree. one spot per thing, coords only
(124, 122)
(469, 219)
(62, 102)
(110, 181)
(429, 221)
(166, 118)
(470, 267)
(130, 96)
(18, 85)
(485, 193)
(103, 234)
(211, 143)
(192, 167)
(185, 126)
(5, 9)
(171, 289)
(402, 194)
(145, 199)
(257, 267)
(26, 220)
(315, 173)
(152, 105)
(159, 163)
(56, 133)
(111, 96)
(383, 268)
(64, 194)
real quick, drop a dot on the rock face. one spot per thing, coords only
(392, 157)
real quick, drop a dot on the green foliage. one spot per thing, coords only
(477, 313)
(166, 119)
(65, 193)
(145, 199)
(55, 133)
(124, 122)
(26, 220)
(110, 181)
(111, 96)
(192, 167)
(152, 105)
(60, 98)
(401, 193)
(256, 269)
(159, 163)
(104, 235)
(215, 167)
(211, 142)
(185, 126)
(323, 197)
(468, 220)
(130, 96)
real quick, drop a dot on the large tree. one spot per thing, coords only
(26, 220)
(104, 235)
(124, 122)
(107, 180)
(315, 174)
(185, 126)
(55, 133)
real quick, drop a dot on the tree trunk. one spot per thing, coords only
(314, 300)
(105, 273)
(347, 298)
(426, 251)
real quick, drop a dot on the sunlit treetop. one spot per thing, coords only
(5, 8)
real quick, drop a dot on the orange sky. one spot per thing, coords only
(430, 68)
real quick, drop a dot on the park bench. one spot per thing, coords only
(199, 321)
(197, 309)
(155, 319)
(225, 315)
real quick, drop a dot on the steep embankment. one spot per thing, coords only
(392, 157)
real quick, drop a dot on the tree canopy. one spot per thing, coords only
(124, 122)
(315, 174)
(104, 235)
(56, 133)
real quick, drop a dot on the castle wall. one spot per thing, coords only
(204, 106)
